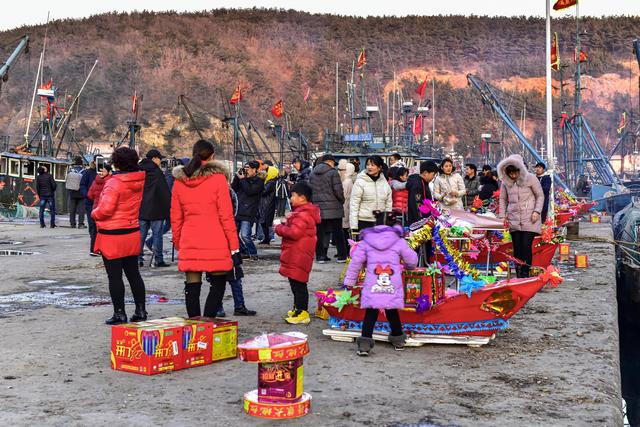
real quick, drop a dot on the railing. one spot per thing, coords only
(4, 142)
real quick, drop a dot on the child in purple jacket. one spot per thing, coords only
(381, 251)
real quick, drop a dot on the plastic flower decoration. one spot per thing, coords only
(429, 208)
(468, 285)
(423, 303)
(328, 297)
(433, 269)
(477, 202)
(344, 298)
(551, 276)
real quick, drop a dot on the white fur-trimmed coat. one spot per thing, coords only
(519, 199)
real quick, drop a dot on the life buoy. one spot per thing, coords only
(36, 199)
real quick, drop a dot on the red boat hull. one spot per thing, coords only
(482, 314)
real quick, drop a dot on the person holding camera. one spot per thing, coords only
(248, 187)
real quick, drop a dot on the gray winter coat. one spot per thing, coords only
(472, 185)
(521, 198)
(328, 194)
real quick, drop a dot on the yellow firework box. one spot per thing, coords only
(564, 248)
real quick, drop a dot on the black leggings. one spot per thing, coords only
(300, 295)
(371, 316)
(522, 249)
(114, 268)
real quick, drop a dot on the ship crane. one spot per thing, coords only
(490, 98)
(23, 46)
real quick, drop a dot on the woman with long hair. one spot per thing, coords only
(448, 188)
(118, 237)
(204, 230)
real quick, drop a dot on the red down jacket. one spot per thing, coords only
(117, 212)
(204, 230)
(299, 242)
(96, 188)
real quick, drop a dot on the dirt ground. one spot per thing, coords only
(556, 364)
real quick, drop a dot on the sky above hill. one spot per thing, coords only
(35, 11)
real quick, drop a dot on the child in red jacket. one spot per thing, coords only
(298, 233)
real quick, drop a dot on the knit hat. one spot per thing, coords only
(153, 153)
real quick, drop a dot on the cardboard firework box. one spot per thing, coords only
(418, 283)
(147, 348)
(197, 343)
(565, 248)
(581, 261)
(280, 381)
(223, 339)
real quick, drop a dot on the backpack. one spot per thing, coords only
(72, 182)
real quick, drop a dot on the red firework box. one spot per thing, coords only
(208, 339)
(418, 282)
(280, 381)
(147, 348)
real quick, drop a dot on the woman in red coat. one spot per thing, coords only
(98, 185)
(118, 238)
(298, 249)
(204, 230)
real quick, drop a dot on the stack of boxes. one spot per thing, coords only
(171, 344)
(280, 392)
(418, 282)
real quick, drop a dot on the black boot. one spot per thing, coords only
(192, 298)
(140, 315)
(214, 299)
(119, 316)
(243, 311)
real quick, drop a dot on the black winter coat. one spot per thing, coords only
(45, 185)
(248, 191)
(545, 183)
(88, 176)
(488, 186)
(328, 194)
(156, 199)
(418, 190)
(304, 174)
(267, 206)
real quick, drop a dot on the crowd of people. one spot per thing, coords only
(217, 225)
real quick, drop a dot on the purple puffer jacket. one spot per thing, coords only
(381, 250)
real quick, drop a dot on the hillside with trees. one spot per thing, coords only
(278, 54)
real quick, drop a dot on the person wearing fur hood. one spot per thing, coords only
(204, 230)
(448, 188)
(521, 202)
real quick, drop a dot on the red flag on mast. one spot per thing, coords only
(362, 59)
(134, 103)
(563, 4)
(278, 109)
(422, 88)
(623, 122)
(417, 125)
(583, 56)
(555, 54)
(236, 97)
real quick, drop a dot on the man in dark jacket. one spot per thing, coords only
(248, 187)
(328, 195)
(303, 168)
(155, 206)
(471, 183)
(418, 188)
(545, 183)
(488, 185)
(46, 189)
(88, 176)
(76, 198)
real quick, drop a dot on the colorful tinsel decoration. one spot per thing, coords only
(456, 264)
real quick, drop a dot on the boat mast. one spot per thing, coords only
(550, 161)
(578, 149)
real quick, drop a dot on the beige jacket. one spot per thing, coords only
(347, 172)
(445, 184)
(521, 198)
(367, 196)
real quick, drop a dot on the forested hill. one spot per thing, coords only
(280, 54)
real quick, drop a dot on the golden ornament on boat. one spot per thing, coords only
(500, 303)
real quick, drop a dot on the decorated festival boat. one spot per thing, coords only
(450, 301)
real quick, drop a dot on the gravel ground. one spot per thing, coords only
(557, 364)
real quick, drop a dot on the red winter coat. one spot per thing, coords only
(116, 216)
(96, 188)
(204, 230)
(399, 195)
(299, 242)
